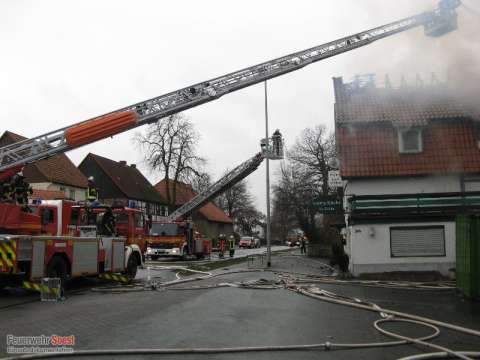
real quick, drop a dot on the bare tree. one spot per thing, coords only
(169, 147)
(237, 203)
(201, 182)
(314, 150)
(301, 180)
(293, 195)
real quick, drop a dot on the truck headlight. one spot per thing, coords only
(149, 250)
(175, 251)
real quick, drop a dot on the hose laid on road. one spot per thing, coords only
(403, 285)
(288, 282)
(440, 355)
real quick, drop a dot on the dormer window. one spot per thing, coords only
(410, 141)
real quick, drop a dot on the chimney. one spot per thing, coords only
(134, 166)
(123, 162)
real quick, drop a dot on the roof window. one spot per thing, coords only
(410, 141)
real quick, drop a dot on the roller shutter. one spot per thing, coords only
(417, 241)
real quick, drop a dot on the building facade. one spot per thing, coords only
(411, 160)
(123, 185)
(210, 220)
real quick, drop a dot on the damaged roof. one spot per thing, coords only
(367, 131)
(404, 106)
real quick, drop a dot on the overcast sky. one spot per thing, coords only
(66, 61)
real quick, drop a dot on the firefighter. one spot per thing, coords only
(7, 191)
(221, 245)
(21, 190)
(303, 245)
(91, 193)
(231, 245)
(339, 257)
(108, 222)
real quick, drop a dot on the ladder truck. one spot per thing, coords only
(175, 234)
(25, 252)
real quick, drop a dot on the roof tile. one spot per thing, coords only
(185, 193)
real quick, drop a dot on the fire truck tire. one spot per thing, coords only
(58, 267)
(132, 265)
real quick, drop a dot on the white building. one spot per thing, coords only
(411, 161)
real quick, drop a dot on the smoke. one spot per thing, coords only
(462, 54)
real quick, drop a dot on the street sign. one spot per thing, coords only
(328, 204)
(334, 179)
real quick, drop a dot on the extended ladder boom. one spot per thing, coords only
(227, 181)
(436, 23)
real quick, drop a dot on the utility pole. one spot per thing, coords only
(269, 246)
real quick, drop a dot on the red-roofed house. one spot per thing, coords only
(411, 161)
(57, 173)
(209, 219)
(122, 184)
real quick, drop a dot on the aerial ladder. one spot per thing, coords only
(13, 157)
(271, 148)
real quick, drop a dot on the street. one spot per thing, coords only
(239, 253)
(236, 317)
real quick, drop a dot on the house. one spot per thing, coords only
(57, 173)
(411, 161)
(123, 185)
(209, 219)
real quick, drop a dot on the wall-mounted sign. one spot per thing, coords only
(334, 179)
(328, 204)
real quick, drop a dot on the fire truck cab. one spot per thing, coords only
(176, 239)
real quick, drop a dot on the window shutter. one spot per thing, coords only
(417, 241)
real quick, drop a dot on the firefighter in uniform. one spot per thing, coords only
(7, 191)
(92, 193)
(221, 245)
(21, 190)
(231, 245)
(108, 222)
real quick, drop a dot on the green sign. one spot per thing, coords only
(328, 204)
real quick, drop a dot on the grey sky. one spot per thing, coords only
(66, 61)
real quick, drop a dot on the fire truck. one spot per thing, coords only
(30, 248)
(175, 235)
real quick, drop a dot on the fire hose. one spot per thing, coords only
(299, 285)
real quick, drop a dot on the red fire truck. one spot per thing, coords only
(57, 240)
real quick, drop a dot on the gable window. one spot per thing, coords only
(410, 140)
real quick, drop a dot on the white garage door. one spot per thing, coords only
(417, 241)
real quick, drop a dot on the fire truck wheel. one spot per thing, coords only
(132, 266)
(58, 268)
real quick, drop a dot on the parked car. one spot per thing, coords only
(248, 242)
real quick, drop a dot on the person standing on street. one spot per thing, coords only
(231, 245)
(221, 245)
(303, 245)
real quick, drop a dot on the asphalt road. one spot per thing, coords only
(227, 317)
(239, 253)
